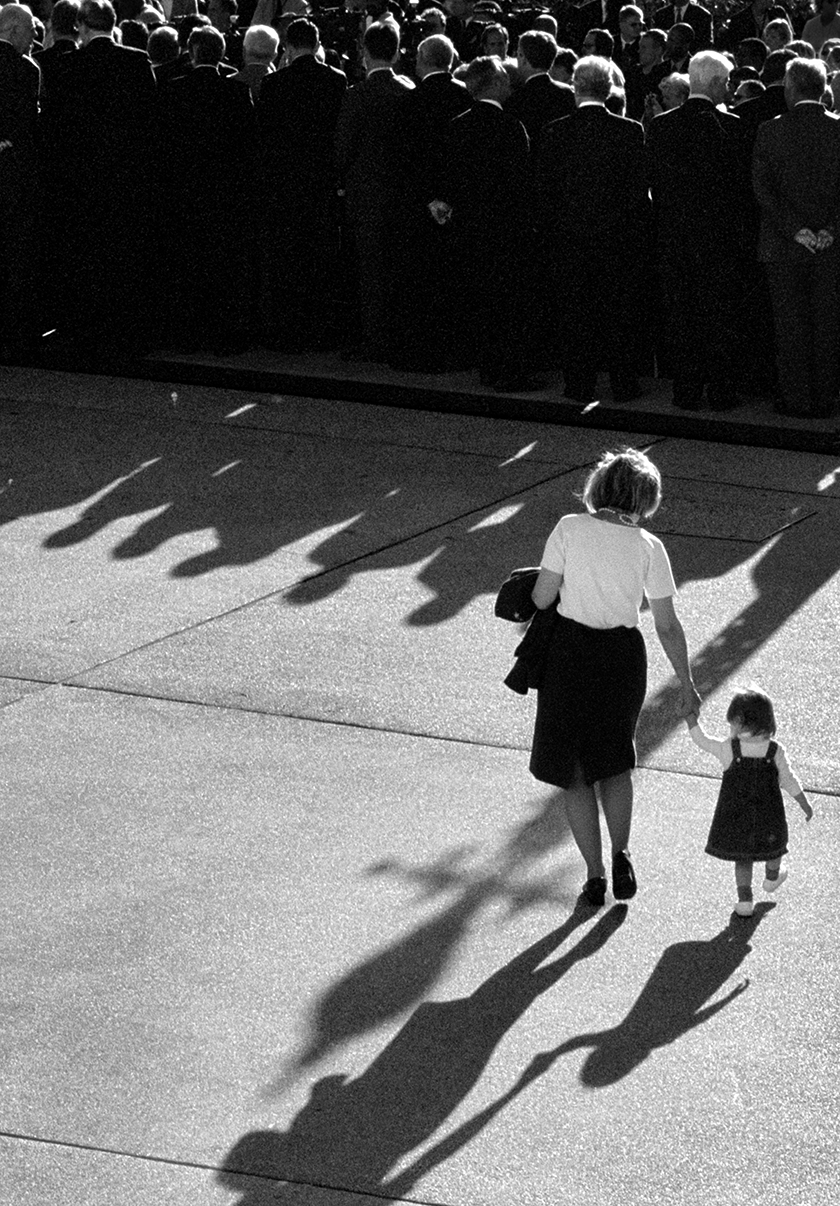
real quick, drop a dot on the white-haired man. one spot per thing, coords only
(698, 158)
(591, 215)
(259, 50)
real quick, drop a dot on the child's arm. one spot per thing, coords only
(804, 803)
(789, 783)
(719, 749)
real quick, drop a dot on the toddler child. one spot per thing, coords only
(749, 821)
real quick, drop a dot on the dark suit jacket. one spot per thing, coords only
(435, 101)
(764, 107)
(209, 123)
(538, 101)
(297, 114)
(626, 57)
(741, 25)
(698, 165)
(20, 87)
(53, 59)
(590, 178)
(371, 154)
(591, 16)
(486, 165)
(104, 100)
(796, 178)
(699, 18)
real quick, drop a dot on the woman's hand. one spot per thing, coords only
(690, 702)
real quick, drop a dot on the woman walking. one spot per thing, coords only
(595, 570)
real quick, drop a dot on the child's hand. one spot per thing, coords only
(807, 809)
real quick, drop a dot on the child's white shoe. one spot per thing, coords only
(745, 908)
(770, 885)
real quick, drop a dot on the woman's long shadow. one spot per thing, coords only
(351, 1134)
(671, 1004)
(393, 980)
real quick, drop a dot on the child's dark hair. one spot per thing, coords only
(753, 711)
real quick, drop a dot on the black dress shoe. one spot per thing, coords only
(623, 879)
(593, 892)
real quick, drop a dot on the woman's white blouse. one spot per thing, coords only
(607, 568)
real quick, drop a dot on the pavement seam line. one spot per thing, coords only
(394, 544)
(374, 728)
(199, 1166)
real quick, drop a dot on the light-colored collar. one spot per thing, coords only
(485, 100)
(586, 104)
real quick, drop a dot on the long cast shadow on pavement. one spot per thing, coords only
(672, 1002)
(351, 1134)
(222, 478)
(393, 980)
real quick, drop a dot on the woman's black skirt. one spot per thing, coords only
(592, 692)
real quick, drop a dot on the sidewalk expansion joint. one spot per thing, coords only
(200, 1166)
(368, 555)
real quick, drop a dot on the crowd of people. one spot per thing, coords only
(476, 185)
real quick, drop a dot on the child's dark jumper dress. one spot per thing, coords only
(749, 822)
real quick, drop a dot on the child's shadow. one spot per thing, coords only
(671, 1004)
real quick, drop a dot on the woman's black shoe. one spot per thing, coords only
(623, 879)
(594, 891)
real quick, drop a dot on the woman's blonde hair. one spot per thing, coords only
(625, 481)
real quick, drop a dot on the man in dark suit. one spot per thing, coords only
(425, 307)
(699, 18)
(64, 23)
(297, 114)
(644, 79)
(598, 14)
(591, 212)
(631, 23)
(539, 99)
(20, 85)
(772, 101)
(679, 46)
(748, 22)
(373, 165)
(101, 134)
(483, 200)
(698, 163)
(209, 137)
(796, 177)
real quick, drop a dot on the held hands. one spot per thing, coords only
(814, 242)
(441, 211)
(690, 703)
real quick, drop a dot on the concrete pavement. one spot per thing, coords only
(285, 919)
